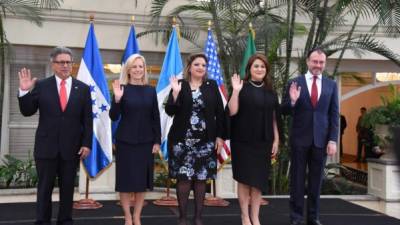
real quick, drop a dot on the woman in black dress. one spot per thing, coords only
(138, 135)
(195, 136)
(254, 134)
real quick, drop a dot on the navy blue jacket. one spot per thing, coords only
(310, 125)
(140, 117)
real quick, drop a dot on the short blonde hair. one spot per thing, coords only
(124, 79)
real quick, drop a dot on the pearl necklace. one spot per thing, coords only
(256, 85)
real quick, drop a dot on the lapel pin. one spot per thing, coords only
(76, 87)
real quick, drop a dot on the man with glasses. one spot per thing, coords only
(64, 133)
(312, 102)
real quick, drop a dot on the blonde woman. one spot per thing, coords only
(138, 135)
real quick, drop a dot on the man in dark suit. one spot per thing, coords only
(64, 133)
(312, 101)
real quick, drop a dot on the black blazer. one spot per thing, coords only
(140, 117)
(58, 131)
(244, 122)
(182, 110)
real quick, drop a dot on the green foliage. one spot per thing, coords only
(279, 176)
(334, 184)
(160, 172)
(18, 173)
(275, 28)
(386, 114)
(160, 179)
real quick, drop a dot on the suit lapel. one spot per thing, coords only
(204, 88)
(324, 89)
(303, 85)
(73, 94)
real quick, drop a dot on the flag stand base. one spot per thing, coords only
(216, 202)
(264, 202)
(166, 201)
(87, 204)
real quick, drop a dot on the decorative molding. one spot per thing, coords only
(367, 88)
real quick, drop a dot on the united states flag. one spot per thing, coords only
(214, 72)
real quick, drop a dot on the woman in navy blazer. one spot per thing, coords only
(196, 134)
(138, 135)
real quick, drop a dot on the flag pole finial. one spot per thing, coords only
(174, 21)
(250, 25)
(209, 24)
(132, 19)
(91, 18)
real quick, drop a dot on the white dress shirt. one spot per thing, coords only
(68, 84)
(309, 79)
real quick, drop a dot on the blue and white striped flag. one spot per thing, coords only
(91, 72)
(172, 66)
(132, 47)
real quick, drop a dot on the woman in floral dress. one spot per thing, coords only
(196, 134)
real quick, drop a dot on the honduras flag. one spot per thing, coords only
(131, 48)
(172, 66)
(91, 72)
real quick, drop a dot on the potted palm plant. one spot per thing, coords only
(382, 119)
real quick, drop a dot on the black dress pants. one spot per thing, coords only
(65, 172)
(303, 158)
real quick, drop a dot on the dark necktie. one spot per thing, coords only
(314, 92)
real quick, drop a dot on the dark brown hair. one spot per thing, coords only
(189, 61)
(317, 49)
(267, 79)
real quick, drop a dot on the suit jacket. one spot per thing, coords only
(140, 117)
(313, 125)
(58, 131)
(182, 111)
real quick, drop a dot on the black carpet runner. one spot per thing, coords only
(333, 212)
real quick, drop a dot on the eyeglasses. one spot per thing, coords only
(62, 63)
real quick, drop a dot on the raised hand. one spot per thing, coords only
(26, 82)
(237, 83)
(118, 90)
(175, 85)
(294, 92)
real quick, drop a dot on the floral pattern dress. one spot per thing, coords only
(195, 159)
